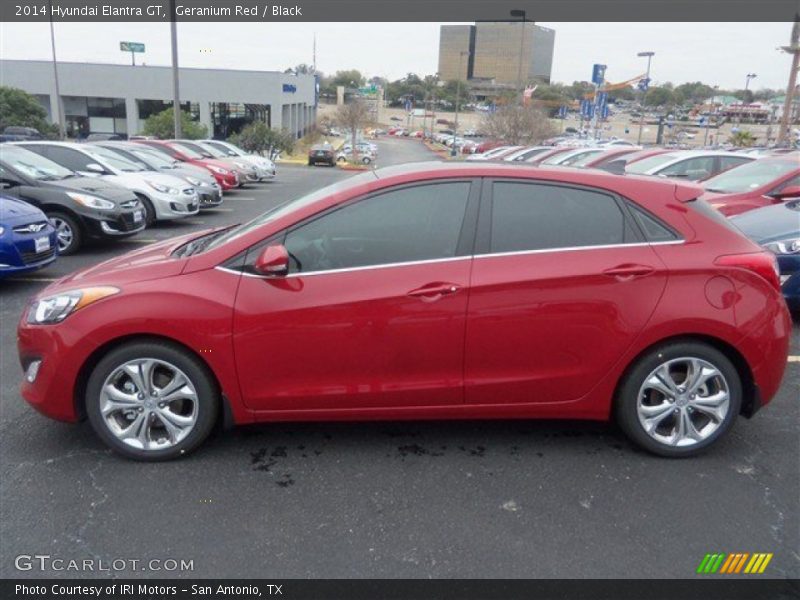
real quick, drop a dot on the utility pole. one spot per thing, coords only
(176, 93)
(794, 49)
(58, 108)
(453, 150)
(649, 56)
(520, 14)
(708, 116)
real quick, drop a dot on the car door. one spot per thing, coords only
(372, 313)
(562, 283)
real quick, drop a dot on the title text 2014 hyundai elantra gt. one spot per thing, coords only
(426, 291)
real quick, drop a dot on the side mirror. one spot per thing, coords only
(5, 184)
(273, 261)
(95, 168)
(792, 191)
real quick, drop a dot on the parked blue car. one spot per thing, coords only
(27, 239)
(777, 228)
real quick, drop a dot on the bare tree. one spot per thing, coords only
(518, 125)
(353, 117)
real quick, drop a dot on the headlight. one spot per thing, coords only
(242, 165)
(54, 309)
(2, 230)
(164, 189)
(92, 201)
(787, 246)
(194, 181)
(219, 170)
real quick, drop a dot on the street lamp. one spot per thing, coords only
(747, 79)
(58, 109)
(461, 55)
(708, 116)
(520, 14)
(649, 56)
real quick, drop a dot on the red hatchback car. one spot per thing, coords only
(427, 291)
(226, 177)
(763, 182)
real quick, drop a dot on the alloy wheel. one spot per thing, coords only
(64, 233)
(683, 401)
(149, 404)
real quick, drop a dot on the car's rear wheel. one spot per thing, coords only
(679, 399)
(68, 233)
(151, 401)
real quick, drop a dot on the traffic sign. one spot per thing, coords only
(643, 84)
(598, 74)
(131, 46)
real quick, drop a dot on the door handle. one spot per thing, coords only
(629, 271)
(434, 291)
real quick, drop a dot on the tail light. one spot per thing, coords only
(762, 263)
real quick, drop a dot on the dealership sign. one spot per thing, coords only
(131, 46)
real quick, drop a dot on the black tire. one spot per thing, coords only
(627, 401)
(69, 222)
(311, 163)
(207, 393)
(149, 211)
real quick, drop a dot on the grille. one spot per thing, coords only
(34, 257)
(31, 227)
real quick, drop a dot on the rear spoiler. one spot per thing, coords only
(688, 192)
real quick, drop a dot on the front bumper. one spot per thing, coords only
(102, 225)
(791, 290)
(18, 253)
(209, 196)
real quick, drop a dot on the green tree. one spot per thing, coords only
(162, 125)
(660, 96)
(259, 138)
(742, 139)
(19, 108)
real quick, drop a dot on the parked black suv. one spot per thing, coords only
(79, 207)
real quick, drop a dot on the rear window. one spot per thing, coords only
(705, 209)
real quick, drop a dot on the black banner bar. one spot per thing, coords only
(733, 588)
(397, 10)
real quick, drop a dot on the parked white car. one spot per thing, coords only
(164, 197)
(364, 158)
(495, 153)
(265, 168)
(209, 191)
(526, 153)
(691, 165)
(565, 159)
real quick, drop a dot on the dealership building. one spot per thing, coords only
(106, 98)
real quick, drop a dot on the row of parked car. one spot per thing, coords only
(760, 191)
(58, 195)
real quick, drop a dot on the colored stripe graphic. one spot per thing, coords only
(738, 562)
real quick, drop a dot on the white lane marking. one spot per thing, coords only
(227, 198)
(193, 222)
(213, 210)
(794, 359)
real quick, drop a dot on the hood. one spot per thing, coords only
(187, 170)
(162, 178)
(151, 262)
(12, 210)
(95, 185)
(218, 162)
(770, 223)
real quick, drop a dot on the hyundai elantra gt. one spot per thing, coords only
(427, 291)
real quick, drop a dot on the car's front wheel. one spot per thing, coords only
(68, 232)
(151, 401)
(679, 399)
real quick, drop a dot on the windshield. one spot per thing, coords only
(580, 159)
(32, 165)
(644, 165)
(199, 151)
(124, 154)
(213, 151)
(288, 207)
(188, 150)
(157, 160)
(113, 160)
(751, 176)
(227, 148)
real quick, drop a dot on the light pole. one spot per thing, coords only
(649, 56)
(794, 49)
(461, 56)
(748, 77)
(520, 14)
(708, 116)
(176, 92)
(59, 112)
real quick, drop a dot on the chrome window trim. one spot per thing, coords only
(452, 259)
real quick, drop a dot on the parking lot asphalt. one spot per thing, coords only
(440, 499)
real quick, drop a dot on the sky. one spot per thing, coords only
(714, 53)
